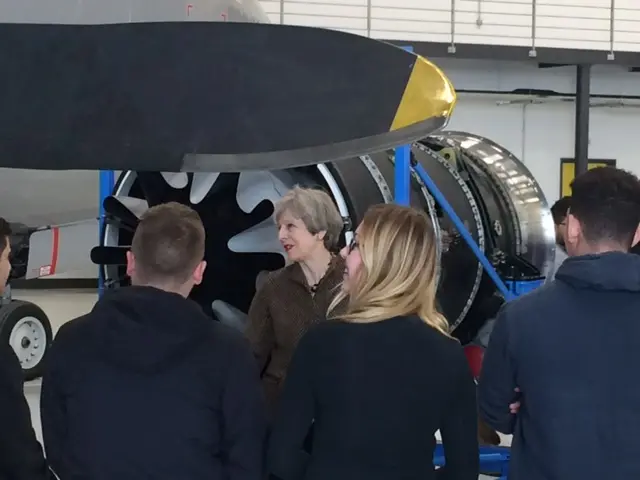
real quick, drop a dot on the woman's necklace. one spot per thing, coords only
(314, 288)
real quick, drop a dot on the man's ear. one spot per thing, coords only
(322, 234)
(198, 273)
(574, 229)
(636, 237)
(131, 263)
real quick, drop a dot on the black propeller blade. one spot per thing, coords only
(208, 96)
(109, 255)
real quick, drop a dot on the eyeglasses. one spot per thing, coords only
(352, 246)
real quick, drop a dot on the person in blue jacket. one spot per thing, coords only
(567, 354)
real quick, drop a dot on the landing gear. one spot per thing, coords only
(26, 328)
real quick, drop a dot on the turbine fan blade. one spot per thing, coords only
(201, 185)
(176, 180)
(229, 315)
(109, 255)
(255, 187)
(116, 222)
(261, 238)
(114, 207)
(137, 205)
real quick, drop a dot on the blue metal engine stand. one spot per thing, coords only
(105, 186)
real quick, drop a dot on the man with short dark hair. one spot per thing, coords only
(559, 213)
(147, 385)
(565, 357)
(21, 455)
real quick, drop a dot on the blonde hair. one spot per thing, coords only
(398, 273)
(316, 210)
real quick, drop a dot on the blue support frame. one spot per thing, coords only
(106, 183)
(446, 206)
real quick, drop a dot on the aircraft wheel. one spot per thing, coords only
(27, 329)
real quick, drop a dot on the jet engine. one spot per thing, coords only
(494, 194)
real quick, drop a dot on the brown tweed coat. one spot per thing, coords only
(281, 313)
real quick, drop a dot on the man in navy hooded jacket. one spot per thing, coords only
(572, 347)
(147, 385)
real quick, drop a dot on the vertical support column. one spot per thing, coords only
(106, 183)
(583, 93)
(402, 180)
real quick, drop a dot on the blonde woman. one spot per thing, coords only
(294, 298)
(379, 380)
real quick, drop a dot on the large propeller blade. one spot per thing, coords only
(274, 118)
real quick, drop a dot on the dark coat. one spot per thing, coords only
(147, 386)
(21, 455)
(573, 349)
(281, 313)
(377, 393)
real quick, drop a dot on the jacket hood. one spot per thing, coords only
(611, 271)
(146, 329)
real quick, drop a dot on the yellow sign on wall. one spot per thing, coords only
(568, 172)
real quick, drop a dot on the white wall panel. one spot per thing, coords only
(604, 25)
(542, 134)
(344, 15)
(506, 76)
(493, 22)
(413, 20)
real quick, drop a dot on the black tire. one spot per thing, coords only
(10, 316)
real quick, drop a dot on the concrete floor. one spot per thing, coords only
(62, 306)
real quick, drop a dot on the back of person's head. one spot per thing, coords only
(5, 252)
(559, 209)
(397, 273)
(168, 248)
(604, 213)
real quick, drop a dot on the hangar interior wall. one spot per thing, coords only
(606, 25)
(541, 134)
